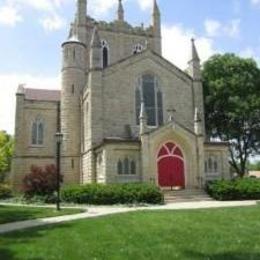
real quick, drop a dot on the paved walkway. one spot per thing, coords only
(93, 212)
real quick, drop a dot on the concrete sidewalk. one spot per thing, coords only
(109, 210)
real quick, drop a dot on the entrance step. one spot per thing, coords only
(173, 196)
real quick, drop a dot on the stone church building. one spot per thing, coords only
(126, 113)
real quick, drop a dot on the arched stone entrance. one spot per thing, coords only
(170, 162)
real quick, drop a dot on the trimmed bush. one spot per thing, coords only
(41, 181)
(109, 194)
(5, 191)
(238, 189)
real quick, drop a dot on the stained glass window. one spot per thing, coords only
(149, 91)
(37, 132)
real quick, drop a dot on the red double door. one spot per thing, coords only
(170, 162)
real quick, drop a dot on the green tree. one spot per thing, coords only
(232, 105)
(6, 152)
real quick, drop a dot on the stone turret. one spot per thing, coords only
(95, 51)
(73, 82)
(81, 20)
(156, 25)
(120, 12)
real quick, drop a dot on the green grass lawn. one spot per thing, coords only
(196, 234)
(11, 214)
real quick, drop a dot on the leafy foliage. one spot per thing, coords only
(5, 191)
(109, 194)
(239, 189)
(254, 166)
(41, 181)
(6, 152)
(232, 105)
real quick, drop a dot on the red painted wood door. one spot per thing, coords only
(170, 166)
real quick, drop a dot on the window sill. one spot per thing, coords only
(36, 146)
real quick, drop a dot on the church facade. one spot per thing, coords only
(125, 112)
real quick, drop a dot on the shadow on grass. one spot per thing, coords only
(10, 241)
(222, 255)
(10, 214)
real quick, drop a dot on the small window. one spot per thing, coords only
(37, 132)
(133, 168)
(215, 166)
(138, 48)
(73, 89)
(74, 53)
(126, 166)
(119, 167)
(105, 53)
(72, 164)
(211, 164)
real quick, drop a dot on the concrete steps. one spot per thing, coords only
(173, 196)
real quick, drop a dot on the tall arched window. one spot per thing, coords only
(149, 91)
(126, 166)
(120, 167)
(105, 53)
(37, 132)
(133, 168)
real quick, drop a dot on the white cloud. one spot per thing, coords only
(48, 10)
(215, 28)
(9, 16)
(233, 28)
(255, 2)
(8, 87)
(177, 45)
(212, 27)
(250, 52)
(145, 4)
(52, 23)
(40, 5)
(247, 53)
(101, 7)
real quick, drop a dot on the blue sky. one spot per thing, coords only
(32, 32)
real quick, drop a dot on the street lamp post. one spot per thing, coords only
(58, 137)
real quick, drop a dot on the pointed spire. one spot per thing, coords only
(95, 50)
(143, 118)
(194, 69)
(120, 12)
(156, 10)
(81, 12)
(156, 29)
(194, 52)
(95, 40)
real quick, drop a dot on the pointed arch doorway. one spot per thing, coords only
(170, 163)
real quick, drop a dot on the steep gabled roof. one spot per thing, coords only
(42, 94)
(137, 57)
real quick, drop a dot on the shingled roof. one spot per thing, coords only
(41, 94)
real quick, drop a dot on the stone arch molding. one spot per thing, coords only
(185, 140)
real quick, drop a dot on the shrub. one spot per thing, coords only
(5, 191)
(41, 181)
(238, 189)
(109, 194)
